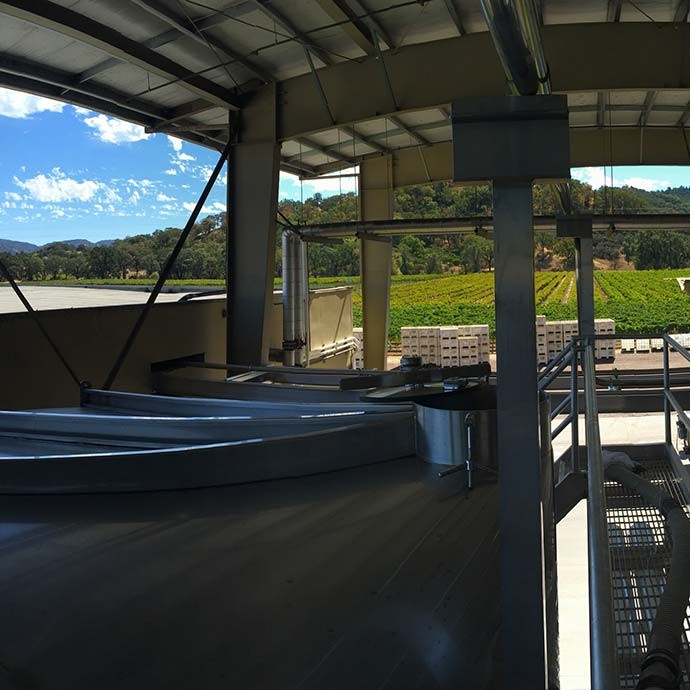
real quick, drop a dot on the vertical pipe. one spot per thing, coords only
(584, 272)
(667, 387)
(523, 630)
(289, 300)
(602, 633)
(304, 301)
(574, 411)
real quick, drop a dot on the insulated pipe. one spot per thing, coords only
(526, 11)
(660, 668)
(295, 301)
(513, 52)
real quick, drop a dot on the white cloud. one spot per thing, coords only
(17, 104)
(13, 196)
(598, 177)
(171, 171)
(647, 183)
(81, 111)
(189, 206)
(218, 206)
(175, 143)
(57, 187)
(595, 177)
(164, 197)
(185, 157)
(134, 199)
(113, 131)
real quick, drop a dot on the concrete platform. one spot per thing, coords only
(43, 298)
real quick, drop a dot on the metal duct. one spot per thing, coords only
(295, 301)
(530, 27)
(505, 29)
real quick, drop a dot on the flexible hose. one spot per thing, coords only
(660, 668)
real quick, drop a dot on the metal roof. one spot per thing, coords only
(178, 66)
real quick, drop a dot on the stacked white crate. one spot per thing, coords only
(657, 344)
(628, 345)
(570, 329)
(605, 349)
(554, 338)
(468, 350)
(683, 339)
(409, 341)
(481, 333)
(429, 345)
(448, 341)
(358, 357)
(642, 345)
(542, 353)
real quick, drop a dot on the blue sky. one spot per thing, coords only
(68, 173)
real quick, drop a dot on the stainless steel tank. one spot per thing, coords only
(459, 428)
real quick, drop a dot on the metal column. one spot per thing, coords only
(253, 170)
(584, 271)
(519, 477)
(376, 259)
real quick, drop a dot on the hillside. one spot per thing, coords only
(203, 257)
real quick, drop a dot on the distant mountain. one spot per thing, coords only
(14, 247)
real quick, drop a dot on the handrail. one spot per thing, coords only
(555, 361)
(604, 674)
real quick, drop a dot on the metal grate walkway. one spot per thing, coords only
(640, 550)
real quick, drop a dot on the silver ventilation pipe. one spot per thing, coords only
(295, 301)
(511, 45)
(530, 27)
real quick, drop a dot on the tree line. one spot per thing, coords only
(203, 257)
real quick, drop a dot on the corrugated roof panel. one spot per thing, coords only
(124, 17)
(661, 118)
(579, 12)
(624, 118)
(646, 10)
(583, 119)
(626, 97)
(675, 97)
(580, 99)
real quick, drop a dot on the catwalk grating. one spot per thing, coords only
(640, 548)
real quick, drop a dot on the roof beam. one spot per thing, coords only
(681, 13)
(324, 150)
(647, 108)
(455, 16)
(611, 62)
(189, 28)
(181, 112)
(203, 24)
(280, 19)
(419, 139)
(361, 9)
(67, 22)
(613, 10)
(60, 78)
(683, 119)
(357, 30)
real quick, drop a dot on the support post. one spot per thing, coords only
(523, 645)
(253, 170)
(584, 271)
(376, 259)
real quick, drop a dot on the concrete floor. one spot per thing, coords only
(572, 549)
(48, 297)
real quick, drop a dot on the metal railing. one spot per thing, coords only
(670, 400)
(602, 630)
(570, 403)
